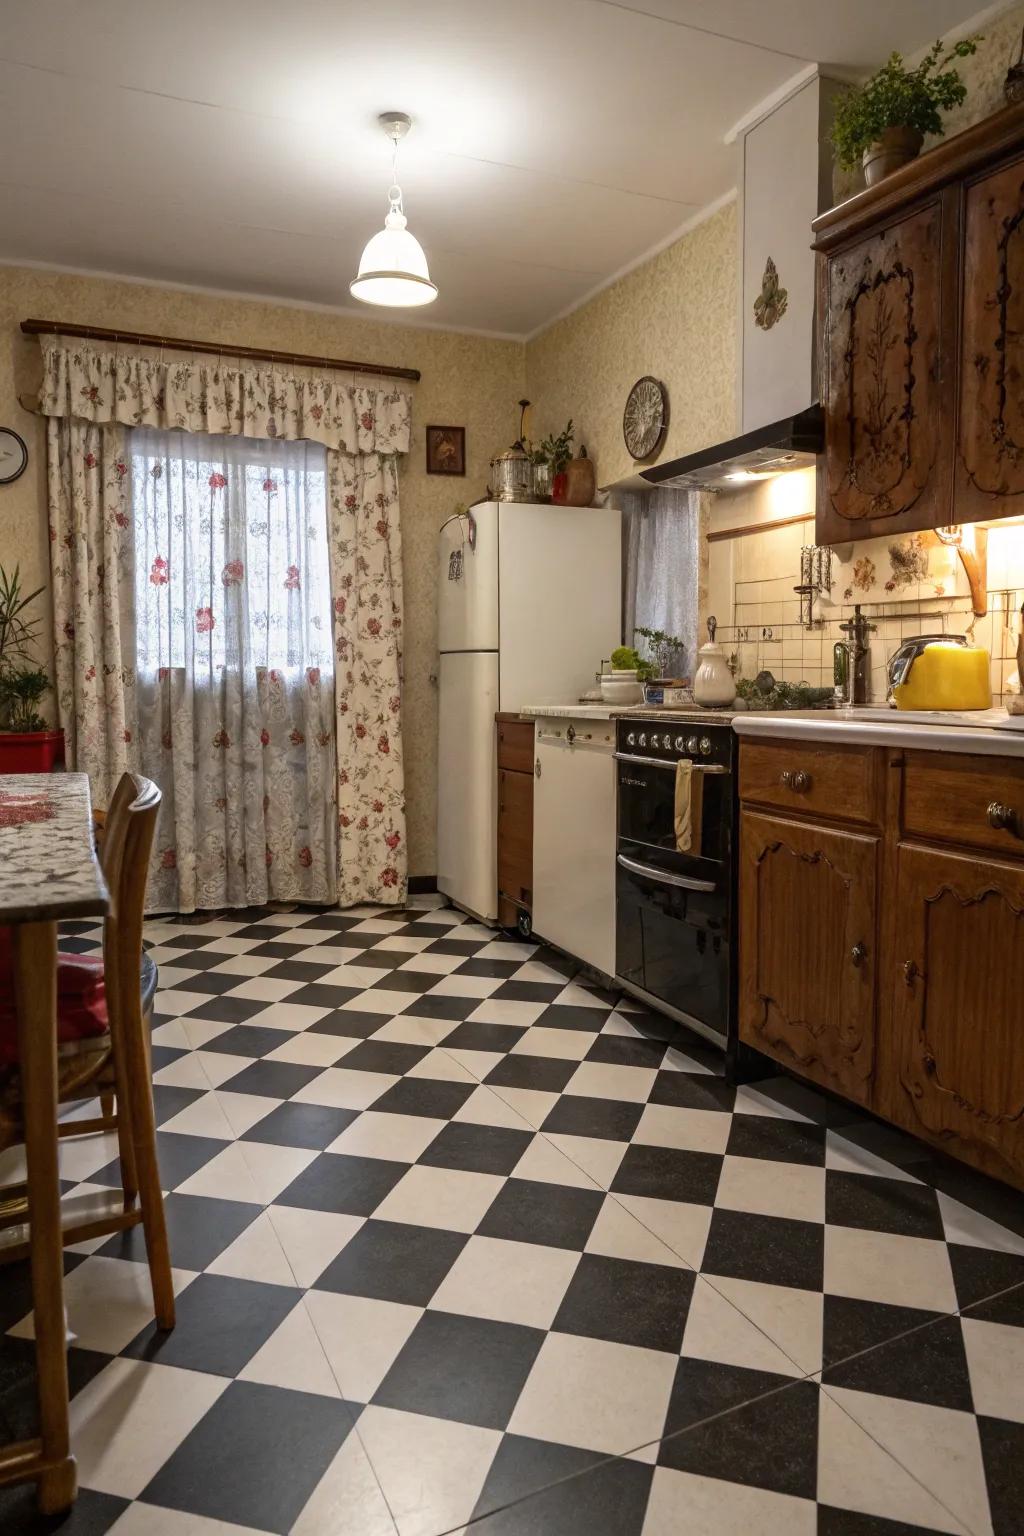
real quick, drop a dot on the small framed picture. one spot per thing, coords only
(446, 450)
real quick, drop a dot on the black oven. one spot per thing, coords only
(674, 910)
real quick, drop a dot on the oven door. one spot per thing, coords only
(672, 933)
(647, 797)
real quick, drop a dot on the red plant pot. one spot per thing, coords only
(559, 486)
(30, 751)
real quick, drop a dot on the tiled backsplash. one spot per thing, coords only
(750, 590)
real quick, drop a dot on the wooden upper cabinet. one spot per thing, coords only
(990, 462)
(807, 949)
(958, 1019)
(920, 297)
(888, 451)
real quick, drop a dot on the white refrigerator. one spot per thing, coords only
(529, 603)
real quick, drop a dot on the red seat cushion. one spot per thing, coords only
(81, 1000)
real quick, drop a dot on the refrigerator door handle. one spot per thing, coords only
(662, 876)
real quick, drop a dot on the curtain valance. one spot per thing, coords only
(132, 389)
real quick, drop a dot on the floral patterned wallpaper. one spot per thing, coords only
(674, 317)
(467, 380)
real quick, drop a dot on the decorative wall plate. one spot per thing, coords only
(773, 300)
(645, 419)
(13, 455)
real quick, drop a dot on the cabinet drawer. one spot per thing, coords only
(515, 745)
(976, 802)
(827, 781)
(515, 836)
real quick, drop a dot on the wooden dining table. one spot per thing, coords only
(48, 872)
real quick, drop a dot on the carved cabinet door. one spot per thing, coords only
(807, 951)
(958, 1015)
(990, 462)
(888, 303)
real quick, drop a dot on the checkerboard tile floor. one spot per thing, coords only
(462, 1241)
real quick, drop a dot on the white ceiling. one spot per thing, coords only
(233, 143)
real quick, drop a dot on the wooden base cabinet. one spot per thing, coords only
(808, 899)
(886, 961)
(515, 822)
(958, 1006)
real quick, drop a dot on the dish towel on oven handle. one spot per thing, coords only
(689, 806)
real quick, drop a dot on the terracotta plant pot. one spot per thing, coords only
(30, 751)
(577, 486)
(896, 147)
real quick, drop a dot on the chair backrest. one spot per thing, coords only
(127, 845)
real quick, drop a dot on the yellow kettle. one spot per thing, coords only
(940, 674)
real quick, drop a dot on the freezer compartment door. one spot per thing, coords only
(467, 576)
(467, 782)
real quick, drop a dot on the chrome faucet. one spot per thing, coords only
(852, 660)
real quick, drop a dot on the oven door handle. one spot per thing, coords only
(661, 762)
(662, 876)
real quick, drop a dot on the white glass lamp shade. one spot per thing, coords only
(393, 268)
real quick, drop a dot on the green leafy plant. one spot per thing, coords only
(557, 451)
(897, 97)
(22, 682)
(663, 649)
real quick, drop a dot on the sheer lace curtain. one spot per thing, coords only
(234, 661)
(662, 568)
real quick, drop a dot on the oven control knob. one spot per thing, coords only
(692, 745)
(655, 741)
(641, 740)
(680, 744)
(631, 739)
(705, 745)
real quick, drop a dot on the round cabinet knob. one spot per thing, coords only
(1002, 817)
(693, 745)
(705, 745)
(680, 743)
(858, 954)
(796, 780)
(642, 740)
(570, 735)
(631, 739)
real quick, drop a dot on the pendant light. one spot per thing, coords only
(393, 268)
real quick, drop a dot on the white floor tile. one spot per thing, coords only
(288, 1015)
(543, 1162)
(506, 1281)
(681, 1225)
(715, 1330)
(963, 1225)
(443, 1066)
(203, 1117)
(707, 1506)
(882, 1266)
(309, 1049)
(767, 1188)
(618, 1235)
(600, 1396)
(690, 1130)
(562, 1044)
(130, 1418)
(107, 1301)
(311, 1239)
(431, 1470)
(791, 1318)
(244, 1110)
(256, 1254)
(339, 1088)
(995, 1358)
(486, 1107)
(441, 1197)
(149, 1520)
(501, 1010)
(398, 1138)
(348, 1500)
(457, 985)
(530, 1104)
(595, 1155)
(361, 1337)
(293, 1357)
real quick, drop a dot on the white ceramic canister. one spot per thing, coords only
(713, 686)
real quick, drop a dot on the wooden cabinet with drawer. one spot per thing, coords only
(881, 946)
(515, 822)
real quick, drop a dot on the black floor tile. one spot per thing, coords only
(198, 1231)
(769, 1441)
(665, 1173)
(882, 1205)
(607, 1119)
(352, 1186)
(221, 1323)
(474, 1035)
(272, 1079)
(1002, 1450)
(390, 1056)
(523, 1466)
(497, 970)
(463, 1368)
(546, 1073)
(169, 1101)
(850, 1522)
(214, 983)
(572, 1016)
(851, 1326)
(92, 1514)
(982, 1272)
(773, 1249)
(694, 1090)
(781, 1141)
(627, 1051)
(301, 971)
(250, 1039)
(179, 1158)
(405, 981)
(317, 994)
(529, 1212)
(424, 1096)
(393, 1261)
(225, 1010)
(352, 1023)
(313, 1126)
(926, 1366)
(254, 1458)
(477, 1148)
(528, 992)
(627, 1302)
(440, 1005)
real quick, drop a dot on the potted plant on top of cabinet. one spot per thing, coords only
(26, 743)
(882, 124)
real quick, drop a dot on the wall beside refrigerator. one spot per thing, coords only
(529, 601)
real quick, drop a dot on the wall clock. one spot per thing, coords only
(13, 455)
(645, 419)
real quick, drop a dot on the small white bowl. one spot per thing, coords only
(622, 689)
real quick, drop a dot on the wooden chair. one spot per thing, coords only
(113, 1063)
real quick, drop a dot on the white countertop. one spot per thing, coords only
(988, 732)
(595, 711)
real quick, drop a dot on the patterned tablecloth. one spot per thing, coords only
(48, 864)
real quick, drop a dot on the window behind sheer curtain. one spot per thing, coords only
(661, 568)
(231, 553)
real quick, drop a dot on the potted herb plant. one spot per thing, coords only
(26, 743)
(882, 124)
(557, 452)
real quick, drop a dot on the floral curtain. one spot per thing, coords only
(235, 666)
(93, 397)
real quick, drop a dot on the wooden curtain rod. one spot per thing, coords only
(216, 349)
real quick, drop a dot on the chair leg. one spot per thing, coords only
(107, 1106)
(122, 1123)
(142, 1123)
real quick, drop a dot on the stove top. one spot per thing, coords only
(685, 713)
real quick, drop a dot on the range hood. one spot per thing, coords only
(792, 443)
